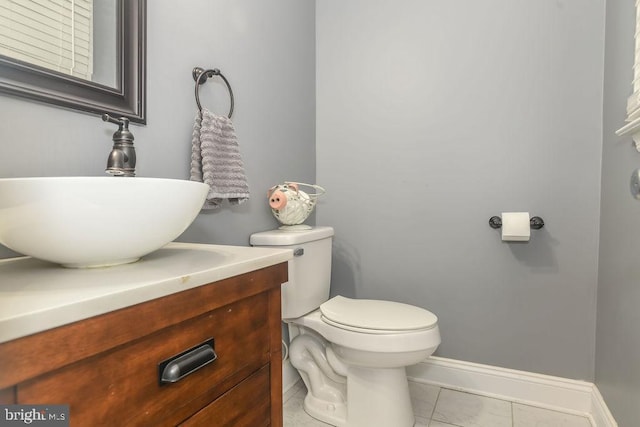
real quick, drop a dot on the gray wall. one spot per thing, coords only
(434, 116)
(265, 49)
(618, 332)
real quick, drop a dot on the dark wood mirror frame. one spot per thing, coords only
(26, 80)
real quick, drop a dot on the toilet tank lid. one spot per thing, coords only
(289, 237)
(377, 314)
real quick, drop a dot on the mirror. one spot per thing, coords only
(95, 63)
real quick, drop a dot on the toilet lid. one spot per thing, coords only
(376, 314)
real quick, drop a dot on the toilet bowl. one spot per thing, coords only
(350, 353)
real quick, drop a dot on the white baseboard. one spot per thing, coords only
(600, 412)
(572, 396)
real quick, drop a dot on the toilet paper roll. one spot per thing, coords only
(515, 227)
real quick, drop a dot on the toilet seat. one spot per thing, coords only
(371, 339)
(366, 325)
(376, 316)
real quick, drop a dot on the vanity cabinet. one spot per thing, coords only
(107, 367)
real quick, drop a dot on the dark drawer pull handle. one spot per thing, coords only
(179, 366)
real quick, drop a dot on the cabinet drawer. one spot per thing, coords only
(121, 387)
(245, 405)
(7, 396)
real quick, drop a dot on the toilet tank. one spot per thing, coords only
(309, 270)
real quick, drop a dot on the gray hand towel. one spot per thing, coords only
(216, 161)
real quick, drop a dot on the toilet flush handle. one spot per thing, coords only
(298, 252)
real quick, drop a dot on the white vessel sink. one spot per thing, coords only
(95, 221)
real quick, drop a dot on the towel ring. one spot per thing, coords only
(200, 75)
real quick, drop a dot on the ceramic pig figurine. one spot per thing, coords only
(290, 205)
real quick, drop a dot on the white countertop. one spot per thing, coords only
(36, 295)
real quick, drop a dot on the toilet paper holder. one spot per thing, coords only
(535, 222)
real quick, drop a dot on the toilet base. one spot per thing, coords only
(378, 397)
(331, 413)
(375, 397)
(350, 387)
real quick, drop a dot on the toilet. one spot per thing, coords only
(350, 353)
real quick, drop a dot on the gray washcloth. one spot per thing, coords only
(216, 161)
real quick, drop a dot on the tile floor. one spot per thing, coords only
(441, 407)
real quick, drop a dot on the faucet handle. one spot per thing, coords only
(123, 134)
(122, 122)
